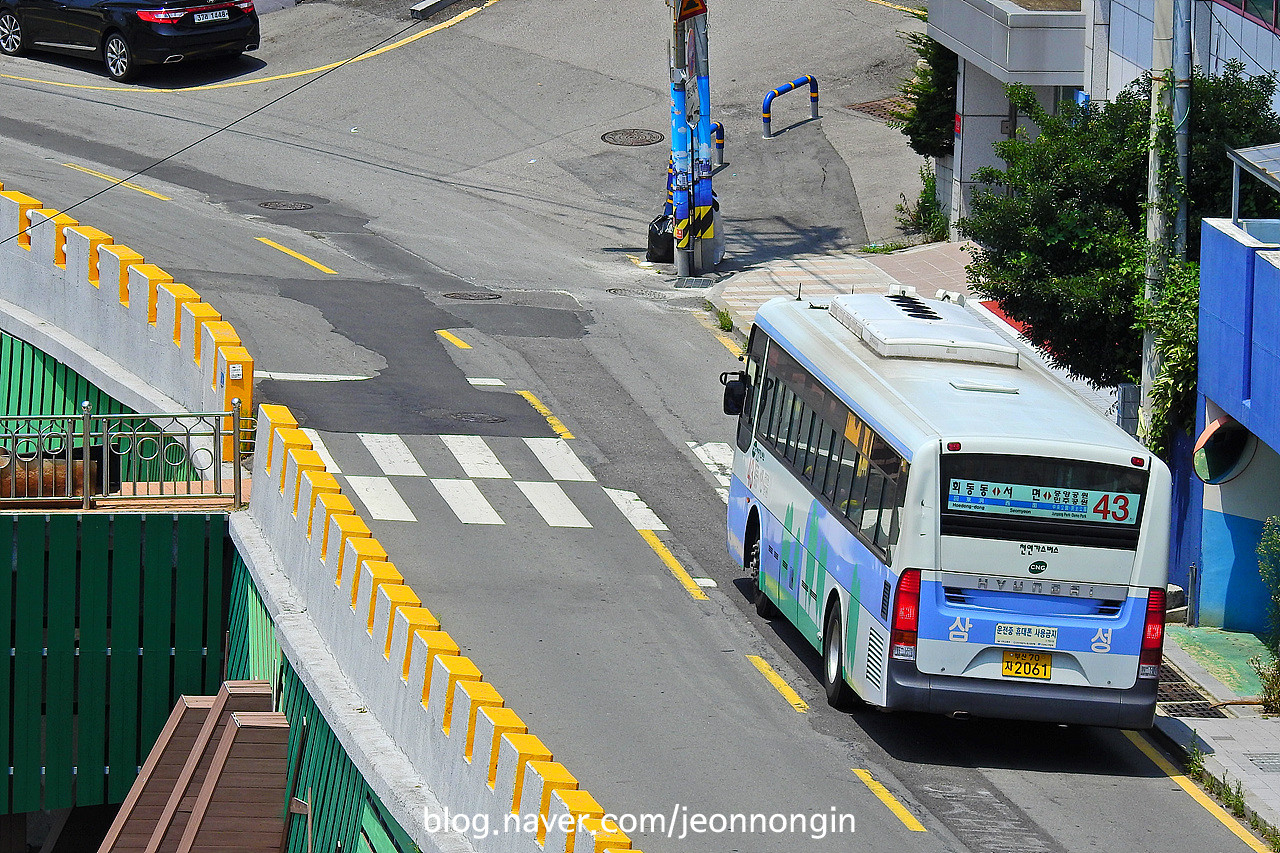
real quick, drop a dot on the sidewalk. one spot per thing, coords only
(1238, 744)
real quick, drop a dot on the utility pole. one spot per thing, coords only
(692, 219)
(1170, 95)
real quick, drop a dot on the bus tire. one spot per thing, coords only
(838, 694)
(764, 607)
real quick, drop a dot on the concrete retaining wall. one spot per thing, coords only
(434, 740)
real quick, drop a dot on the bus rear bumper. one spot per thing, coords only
(911, 690)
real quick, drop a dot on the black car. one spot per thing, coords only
(126, 34)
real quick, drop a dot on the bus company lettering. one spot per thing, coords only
(1026, 635)
(758, 478)
(1072, 590)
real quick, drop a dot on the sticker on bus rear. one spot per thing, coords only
(1042, 502)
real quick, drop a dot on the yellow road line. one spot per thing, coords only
(556, 423)
(906, 9)
(117, 181)
(1224, 817)
(291, 253)
(731, 344)
(907, 818)
(462, 16)
(453, 339)
(781, 686)
(673, 565)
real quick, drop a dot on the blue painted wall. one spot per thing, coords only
(1232, 594)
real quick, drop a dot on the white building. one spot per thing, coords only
(1059, 47)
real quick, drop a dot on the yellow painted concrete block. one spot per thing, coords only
(143, 282)
(275, 417)
(25, 205)
(505, 722)
(363, 548)
(95, 239)
(398, 597)
(320, 483)
(304, 460)
(436, 643)
(181, 295)
(60, 222)
(455, 668)
(375, 573)
(527, 748)
(192, 318)
(328, 506)
(408, 621)
(477, 695)
(581, 805)
(554, 777)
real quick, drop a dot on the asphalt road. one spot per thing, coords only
(468, 163)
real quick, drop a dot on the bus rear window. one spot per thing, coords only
(997, 496)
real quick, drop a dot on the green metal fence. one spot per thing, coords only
(110, 618)
(345, 813)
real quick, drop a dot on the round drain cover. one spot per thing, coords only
(641, 293)
(633, 136)
(477, 417)
(473, 295)
(286, 205)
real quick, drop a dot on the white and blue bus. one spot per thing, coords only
(951, 526)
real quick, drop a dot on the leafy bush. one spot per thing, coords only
(928, 122)
(1172, 317)
(926, 217)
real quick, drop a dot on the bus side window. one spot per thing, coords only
(808, 454)
(872, 504)
(832, 465)
(795, 412)
(769, 412)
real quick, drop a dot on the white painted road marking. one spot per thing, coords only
(381, 499)
(464, 498)
(481, 381)
(318, 446)
(636, 510)
(392, 455)
(475, 457)
(553, 504)
(558, 458)
(277, 376)
(717, 456)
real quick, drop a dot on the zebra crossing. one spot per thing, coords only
(487, 481)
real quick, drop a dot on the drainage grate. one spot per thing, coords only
(884, 109)
(1178, 692)
(1267, 762)
(690, 283)
(474, 295)
(633, 136)
(1192, 709)
(286, 205)
(477, 417)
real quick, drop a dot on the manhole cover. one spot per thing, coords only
(473, 295)
(633, 136)
(886, 109)
(286, 205)
(641, 292)
(477, 417)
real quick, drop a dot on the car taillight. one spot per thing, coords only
(245, 6)
(906, 616)
(161, 16)
(1152, 636)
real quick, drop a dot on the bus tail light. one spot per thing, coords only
(1152, 636)
(906, 616)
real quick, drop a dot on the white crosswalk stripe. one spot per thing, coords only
(392, 455)
(466, 501)
(636, 510)
(475, 457)
(558, 458)
(381, 499)
(553, 504)
(318, 446)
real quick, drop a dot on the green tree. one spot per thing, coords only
(928, 121)
(1061, 229)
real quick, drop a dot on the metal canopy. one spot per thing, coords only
(1261, 161)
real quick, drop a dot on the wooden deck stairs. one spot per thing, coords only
(215, 779)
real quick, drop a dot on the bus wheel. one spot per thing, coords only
(764, 607)
(838, 693)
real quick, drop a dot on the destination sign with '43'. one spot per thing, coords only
(1042, 502)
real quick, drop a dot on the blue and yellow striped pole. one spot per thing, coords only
(704, 229)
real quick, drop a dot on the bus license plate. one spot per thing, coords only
(216, 15)
(1027, 664)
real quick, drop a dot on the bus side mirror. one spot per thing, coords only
(735, 391)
